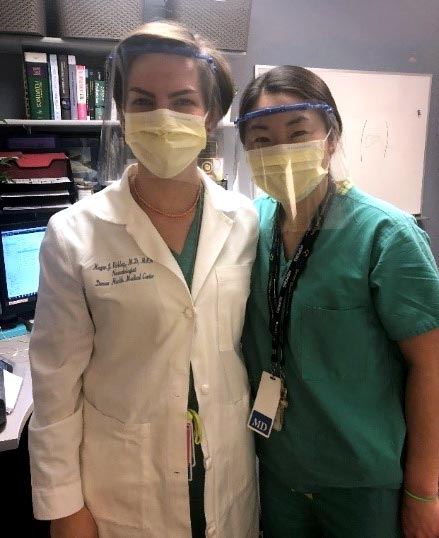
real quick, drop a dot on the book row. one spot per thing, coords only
(57, 88)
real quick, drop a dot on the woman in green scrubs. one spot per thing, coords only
(344, 310)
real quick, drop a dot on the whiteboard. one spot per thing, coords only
(385, 118)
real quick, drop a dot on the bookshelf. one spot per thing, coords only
(10, 43)
(59, 125)
(93, 124)
(80, 135)
(77, 138)
(90, 52)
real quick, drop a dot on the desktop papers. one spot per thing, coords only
(12, 389)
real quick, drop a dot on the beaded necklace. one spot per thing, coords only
(159, 211)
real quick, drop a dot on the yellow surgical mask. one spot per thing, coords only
(288, 172)
(164, 141)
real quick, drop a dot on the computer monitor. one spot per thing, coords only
(19, 268)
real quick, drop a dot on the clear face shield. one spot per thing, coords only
(162, 104)
(291, 152)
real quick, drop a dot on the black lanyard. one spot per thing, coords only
(279, 302)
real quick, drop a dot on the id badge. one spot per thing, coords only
(267, 401)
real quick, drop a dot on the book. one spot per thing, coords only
(99, 95)
(91, 93)
(87, 97)
(64, 90)
(26, 91)
(81, 92)
(71, 60)
(50, 91)
(37, 78)
(53, 61)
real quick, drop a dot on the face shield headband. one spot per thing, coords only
(283, 108)
(124, 52)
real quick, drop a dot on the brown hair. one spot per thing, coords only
(216, 75)
(295, 80)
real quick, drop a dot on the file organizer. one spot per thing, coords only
(39, 181)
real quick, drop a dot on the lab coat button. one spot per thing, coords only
(205, 389)
(211, 531)
(207, 463)
(188, 312)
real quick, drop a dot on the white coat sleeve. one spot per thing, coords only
(60, 349)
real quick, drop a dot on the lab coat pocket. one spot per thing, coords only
(334, 344)
(236, 377)
(233, 290)
(113, 468)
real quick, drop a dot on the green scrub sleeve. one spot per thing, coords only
(404, 281)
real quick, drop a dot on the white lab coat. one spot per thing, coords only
(115, 331)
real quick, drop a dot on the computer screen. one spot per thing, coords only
(19, 267)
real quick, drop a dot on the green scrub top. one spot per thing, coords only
(371, 280)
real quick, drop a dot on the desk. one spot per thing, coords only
(16, 349)
(16, 479)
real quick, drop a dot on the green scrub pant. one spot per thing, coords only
(196, 485)
(328, 512)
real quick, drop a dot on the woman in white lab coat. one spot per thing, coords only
(135, 350)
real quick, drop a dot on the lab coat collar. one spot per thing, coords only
(117, 205)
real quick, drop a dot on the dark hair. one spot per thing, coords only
(173, 34)
(289, 79)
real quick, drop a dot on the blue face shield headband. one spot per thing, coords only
(163, 48)
(283, 108)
